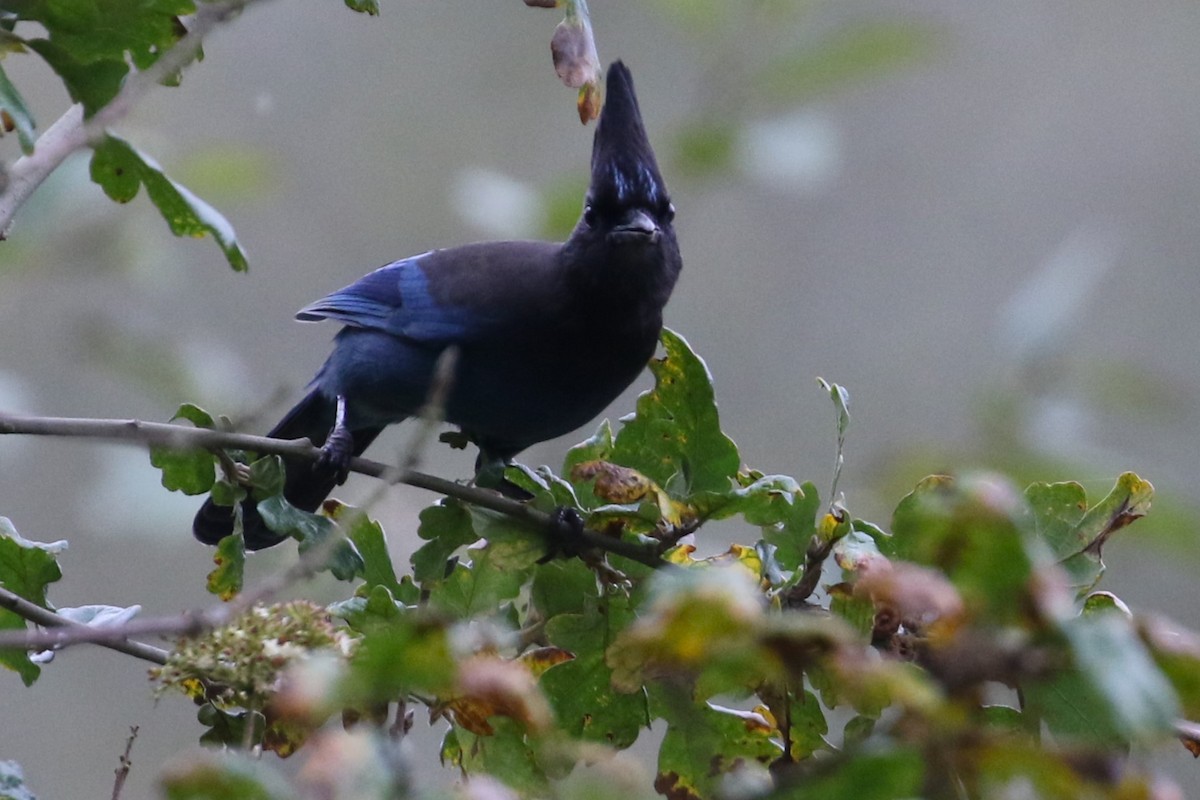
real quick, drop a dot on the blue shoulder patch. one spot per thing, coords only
(394, 298)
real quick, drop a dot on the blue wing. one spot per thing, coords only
(395, 299)
(457, 295)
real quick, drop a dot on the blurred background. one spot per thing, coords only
(980, 218)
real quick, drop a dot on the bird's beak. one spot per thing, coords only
(637, 225)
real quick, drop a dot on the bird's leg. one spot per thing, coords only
(339, 445)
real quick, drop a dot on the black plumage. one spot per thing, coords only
(548, 334)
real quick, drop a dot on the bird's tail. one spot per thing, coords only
(304, 486)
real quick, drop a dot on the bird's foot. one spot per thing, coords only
(235, 471)
(339, 446)
(336, 454)
(564, 534)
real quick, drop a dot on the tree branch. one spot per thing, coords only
(184, 437)
(110, 635)
(63, 632)
(122, 771)
(72, 132)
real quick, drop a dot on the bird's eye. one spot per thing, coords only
(668, 212)
(589, 214)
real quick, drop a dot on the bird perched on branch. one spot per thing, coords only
(548, 334)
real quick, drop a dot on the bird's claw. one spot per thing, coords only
(339, 446)
(240, 473)
(336, 454)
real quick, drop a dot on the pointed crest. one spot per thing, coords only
(623, 166)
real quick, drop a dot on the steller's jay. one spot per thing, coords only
(548, 334)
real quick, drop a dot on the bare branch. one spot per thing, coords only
(62, 632)
(112, 636)
(183, 437)
(72, 132)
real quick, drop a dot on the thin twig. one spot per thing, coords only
(184, 437)
(814, 558)
(72, 132)
(123, 770)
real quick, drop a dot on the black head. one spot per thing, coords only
(627, 198)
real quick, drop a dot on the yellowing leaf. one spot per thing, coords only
(488, 686)
(540, 659)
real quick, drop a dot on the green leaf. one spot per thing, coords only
(1177, 653)
(549, 490)
(230, 557)
(974, 530)
(895, 775)
(100, 29)
(709, 624)
(374, 612)
(219, 776)
(807, 725)
(195, 415)
(451, 753)
(784, 510)
(675, 438)
(703, 742)
(228, 728)
(1115, 692)
(475, 590)
(1076, 534)
(228, 494)
(857, 730)
(311, 529)
(12, 782)
(446, 526)
(26, 569)
(13, 105)
(580, 691)
(841, 403)
(190, 471)
(120, 169)
(267, 477)
(91, 83)
(858, 612)
(398, 655)
(513, 545)
(564, 586)
(1003, 718)
(364, 6)
(367, 535)
(1109, 654)
(505, 755)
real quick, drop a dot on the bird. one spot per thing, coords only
(547, 333)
